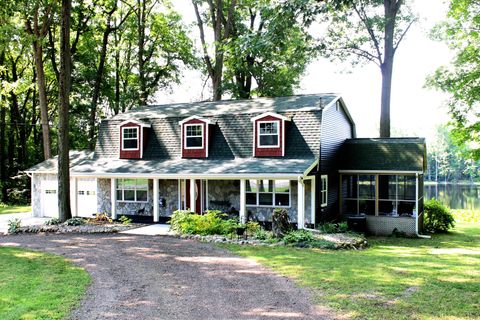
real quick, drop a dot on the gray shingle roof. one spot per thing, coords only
(51, 165)
(389, 154)
(229, 107)
(204, 167)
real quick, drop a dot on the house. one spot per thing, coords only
(246, 156)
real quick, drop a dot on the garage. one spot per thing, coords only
(49, 199)
(86, 197)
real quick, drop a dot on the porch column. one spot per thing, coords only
(300, 204)
(243, 201)
(156, 215)
(74, 198)
(313, 199)
(113, 197)
(416, 203)
(192, 195)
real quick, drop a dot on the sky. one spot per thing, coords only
(415, 110)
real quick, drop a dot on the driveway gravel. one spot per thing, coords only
(145, 277)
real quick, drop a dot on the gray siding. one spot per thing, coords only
(336, 128)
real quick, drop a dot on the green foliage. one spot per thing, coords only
(261, 234)
(252, 227)
(333, 227)
(460, 79)
(437, 217)
(125, 220)
(210, 223)
(53, 221)
(14, 225)
(76, 221)
(298, 236)
(37, 285)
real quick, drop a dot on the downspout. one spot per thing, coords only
(418, 213)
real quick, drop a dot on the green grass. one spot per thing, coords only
(36, 285)
(465, 215)
(436, 278)
(6, 209)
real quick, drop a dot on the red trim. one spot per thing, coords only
(131, 154)
(195, 153)
(268, 152)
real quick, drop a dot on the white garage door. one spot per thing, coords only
(49, 198)
(86, 197)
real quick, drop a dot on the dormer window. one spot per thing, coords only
(133, 139)
(130, 138)
(195, 135)
(269, 135)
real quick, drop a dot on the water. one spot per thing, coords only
(455, 196)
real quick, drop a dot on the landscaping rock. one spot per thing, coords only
(85, 228)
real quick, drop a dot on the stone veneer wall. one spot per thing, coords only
(223, 192)
(168, 190)
(37, 179)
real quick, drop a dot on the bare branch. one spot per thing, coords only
(206, 57)
(403, 35)
(364, 18)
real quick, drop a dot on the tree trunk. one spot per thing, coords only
(42, 98)
(64, 211)
(116, 106)
(391, 9)
(96, 89)
(141, 51)
(3, 166)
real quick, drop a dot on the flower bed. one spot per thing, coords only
(85, 228)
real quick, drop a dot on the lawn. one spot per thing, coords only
(36, 285)
(436, 278)
(6, 209)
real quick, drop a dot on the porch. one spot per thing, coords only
(247, 198)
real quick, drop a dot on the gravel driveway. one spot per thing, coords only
(144, 277)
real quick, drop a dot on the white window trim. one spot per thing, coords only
(123, 139)
(277, 134)
(324, 190)
(132, 201)
(257, 205)
(185, 136)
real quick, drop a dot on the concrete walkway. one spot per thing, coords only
(26, 217)
(151, 230)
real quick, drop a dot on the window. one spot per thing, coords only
(50, 191)
(193, 136)
(268, 193)
(132, 190)
(130, 138)
(324, 191)
(268, 134)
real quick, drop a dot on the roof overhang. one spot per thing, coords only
(386, 172)
(140, 123)
(270, 114)
(175, 176)
(194, 118)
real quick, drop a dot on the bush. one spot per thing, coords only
(333, 227)
(212, 222)
(125, 220)
(438, 217)
(52, 222)
(261, 234)
(100, 218)
(280, 222)
(252, 227)
(14, 225)
(298, 236)
(75, 221)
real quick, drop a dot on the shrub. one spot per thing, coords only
(298, 236)
(100, 218)
(14, 225)
(438, 217)
(252, 227)
(76, 221)
(52, 222)
(261, 234)
(280, 222)
(210, 223)
(125, 220)
(328, 227)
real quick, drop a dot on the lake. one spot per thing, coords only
(455, 196)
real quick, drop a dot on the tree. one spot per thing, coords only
(462, 78)
(219, 15)
(270, 47)
(64, 212)
(369, 31)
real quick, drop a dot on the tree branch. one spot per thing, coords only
(403, 35)
(364, 18)
(206, 57)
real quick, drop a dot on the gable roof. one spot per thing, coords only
(51, 165)
(383, 154)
